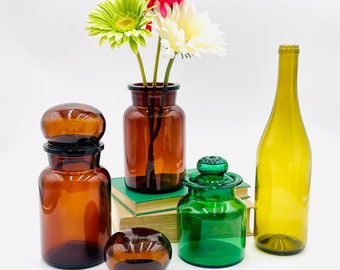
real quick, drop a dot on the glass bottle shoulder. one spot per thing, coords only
(143, 110)
(97, 174)
(199, 205)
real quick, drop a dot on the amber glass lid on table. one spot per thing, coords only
(138, 248)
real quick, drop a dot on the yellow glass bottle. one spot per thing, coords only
(283, 168)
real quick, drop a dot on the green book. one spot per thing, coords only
(142, 204)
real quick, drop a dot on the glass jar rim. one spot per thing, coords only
(158, 87)
(231, 180)
(74, 150)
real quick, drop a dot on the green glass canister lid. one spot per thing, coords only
(213, 173)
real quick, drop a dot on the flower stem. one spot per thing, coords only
(155, 71)
(141, 67)
(165, 86)
(167, 72)
(150, 165)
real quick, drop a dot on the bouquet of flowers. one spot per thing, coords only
(181, 32)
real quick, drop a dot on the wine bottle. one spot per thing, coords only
(283, 168)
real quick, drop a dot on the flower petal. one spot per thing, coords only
(119, 20)
(185, 32)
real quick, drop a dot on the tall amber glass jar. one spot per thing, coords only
(283, 168)
(74, 189)
(154, 139)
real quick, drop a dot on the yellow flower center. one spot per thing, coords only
(124, 24)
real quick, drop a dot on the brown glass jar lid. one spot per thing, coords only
(73, 123)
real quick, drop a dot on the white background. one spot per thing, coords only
(47, 58)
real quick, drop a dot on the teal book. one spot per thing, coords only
(142, 204)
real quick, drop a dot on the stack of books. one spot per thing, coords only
(157, 211)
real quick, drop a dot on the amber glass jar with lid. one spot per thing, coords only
(74, 189)
(211, 219)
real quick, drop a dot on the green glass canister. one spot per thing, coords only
(211, 218)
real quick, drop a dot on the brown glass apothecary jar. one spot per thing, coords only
(154, 139)
(74, 189)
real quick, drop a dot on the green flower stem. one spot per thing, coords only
(141, 67)
(155, 71)
(167, 72)
(150, 163)
(165, 86)
(160, 113)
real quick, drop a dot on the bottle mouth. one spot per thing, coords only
(158, 87)
(70, 149)
(289, 49)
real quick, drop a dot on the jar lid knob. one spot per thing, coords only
(212, 165)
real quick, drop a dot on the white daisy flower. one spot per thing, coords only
(185, 32)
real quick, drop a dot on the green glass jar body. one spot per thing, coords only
(211, 225)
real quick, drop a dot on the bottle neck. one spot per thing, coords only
(67, 163)
(153, 97)
(286, 93)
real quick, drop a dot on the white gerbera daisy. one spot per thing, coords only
(185, 32)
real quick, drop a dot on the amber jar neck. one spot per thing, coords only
(76, 158)
(153, 96)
